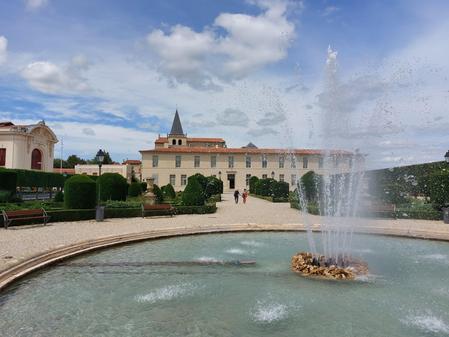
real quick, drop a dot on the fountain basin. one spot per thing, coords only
(116, 292)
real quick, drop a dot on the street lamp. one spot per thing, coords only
(446, 157)
(272, 174)
(219, 175)
(100, 158)
(99, 213)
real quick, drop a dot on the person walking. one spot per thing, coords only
(236, 196)
(244, 195)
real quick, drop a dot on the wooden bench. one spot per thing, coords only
(382, 209)
(159, 208)
(24, 214)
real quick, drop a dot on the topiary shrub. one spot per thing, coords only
(252, 184)
(280, 190)
(168, 192)
(59, 196)
(112, 186)
(202, 180)
(310, 183)
(264, 187)
(135, 189)
(144, 186)
(79, 192)
(193, 194)
(158, 193)
(213, 187)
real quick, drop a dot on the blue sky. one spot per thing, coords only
(111, 73)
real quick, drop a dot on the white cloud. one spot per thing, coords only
(3, 49)
(232, 117)
(182, 54)
(248, 43)
(262, 132)
(35, 4)
(50, 78)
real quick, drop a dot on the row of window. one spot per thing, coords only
(173, 180)
(248, 162)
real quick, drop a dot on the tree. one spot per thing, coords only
(57, 163)
(73, 160)
(107, 159)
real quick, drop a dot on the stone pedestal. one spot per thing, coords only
(149, 198)
(307, 265)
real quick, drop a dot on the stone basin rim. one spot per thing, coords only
(41, 260)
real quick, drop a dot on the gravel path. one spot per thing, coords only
(20, 243)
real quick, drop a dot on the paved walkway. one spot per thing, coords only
(20, 243)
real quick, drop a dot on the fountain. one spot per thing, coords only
(339, 192)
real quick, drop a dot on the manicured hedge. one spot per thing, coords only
(311, 208)
(79, 193)
(252, 184)
(168, 192)
(214, 186)
(158, 193)
(8, 180)
(134, 189)
(30, 178)
(112, 186)
(59, 196)
(214, 198)
(204, 209)
(193, 194)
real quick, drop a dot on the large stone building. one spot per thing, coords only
(29, 147)
(176, 157)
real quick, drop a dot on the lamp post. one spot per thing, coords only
(446, 157)
(99, 214)
(272, 174)
(99, 157)
(219, 175)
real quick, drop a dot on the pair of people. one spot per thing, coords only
(244, 196)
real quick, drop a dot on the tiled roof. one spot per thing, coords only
(132, 162)
(163, 140)
(206, 140)
(225, 150)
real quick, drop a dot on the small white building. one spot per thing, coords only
(125, 170)
(28, 147)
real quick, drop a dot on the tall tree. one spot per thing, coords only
(73, 160)
(57, 163)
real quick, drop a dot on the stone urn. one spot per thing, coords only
(149, 198)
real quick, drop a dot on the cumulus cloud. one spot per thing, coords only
(35, 4)
(50, 78)
(262, 132)
(232, 117)
(3, 49)
(235, 46)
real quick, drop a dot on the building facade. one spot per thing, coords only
(127, 169)
(176, 157)
(28, 147)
